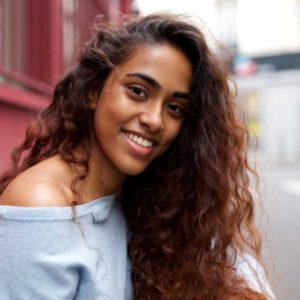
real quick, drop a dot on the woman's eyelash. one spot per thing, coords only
(177, 109)
(138, 91)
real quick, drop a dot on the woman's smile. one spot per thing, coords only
(141, 145)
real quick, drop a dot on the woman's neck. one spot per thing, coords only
(102, 178)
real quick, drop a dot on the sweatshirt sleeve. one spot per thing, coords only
(248, 268)
(39, 259)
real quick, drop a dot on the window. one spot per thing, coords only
(31, 43)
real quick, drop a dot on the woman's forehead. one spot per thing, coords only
(162, 61)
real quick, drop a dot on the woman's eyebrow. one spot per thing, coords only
(156, 85)
(146, 78)
(181, 95)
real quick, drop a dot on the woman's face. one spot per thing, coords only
(141, 107)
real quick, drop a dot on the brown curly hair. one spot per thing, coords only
(190, 212)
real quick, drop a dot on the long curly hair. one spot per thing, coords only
(190, 212)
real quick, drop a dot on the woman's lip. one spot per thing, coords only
(136, 148)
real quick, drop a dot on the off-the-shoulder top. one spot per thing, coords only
(50, 253)
(47, 254)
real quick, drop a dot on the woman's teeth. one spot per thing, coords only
(139, 140)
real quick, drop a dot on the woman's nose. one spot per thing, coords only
(152, 119)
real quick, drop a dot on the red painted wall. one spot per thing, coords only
(17, 108)
(13, 121)
(31, 59)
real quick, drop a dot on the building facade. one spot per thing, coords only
(39, 41)
(264, 36)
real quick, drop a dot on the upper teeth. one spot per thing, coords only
(139, 140)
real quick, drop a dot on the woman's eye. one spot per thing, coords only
(176, 109)
(138, 91)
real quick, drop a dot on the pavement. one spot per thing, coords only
(281, 225)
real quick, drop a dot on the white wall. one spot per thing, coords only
(268, 26)
(279, 96)
(202, 11)
(262, 26)
(280, 123)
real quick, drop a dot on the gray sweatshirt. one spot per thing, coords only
(45, 255)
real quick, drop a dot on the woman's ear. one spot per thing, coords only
(93, 99)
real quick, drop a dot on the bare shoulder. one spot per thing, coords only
(37, 187)
(30, 191)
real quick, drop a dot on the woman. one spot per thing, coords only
(141, 134)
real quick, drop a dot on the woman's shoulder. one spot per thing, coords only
(42, 185)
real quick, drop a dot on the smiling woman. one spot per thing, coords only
(140, 149)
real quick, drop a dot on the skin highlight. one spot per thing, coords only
(186, 205)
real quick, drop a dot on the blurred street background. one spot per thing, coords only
(40, 40)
